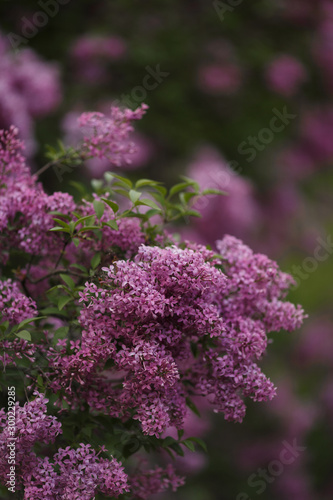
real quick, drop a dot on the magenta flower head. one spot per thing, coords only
(107, 137)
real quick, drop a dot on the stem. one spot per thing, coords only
(62, 252)
(48, 165)
(59, 271)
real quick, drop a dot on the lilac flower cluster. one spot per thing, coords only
(80, 474)
(251, 305)
(32, 425)
(92, 55)
(107, 137)
(140, 148)
(231, 214)
(285, 75)
(154, 481)
(29, 88)
(173, 324)
(71, 474)
(24, 206)
(14, 305)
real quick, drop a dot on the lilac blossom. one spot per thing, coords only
(148, 314)
(24, 206)
(29, 88)
(285, 74)
(150, 482)
(106, 137)
(15, 306)
(219, 78)
(32, 425)
(233, 213)
(92, 55)
(70, 474)
(140, 149)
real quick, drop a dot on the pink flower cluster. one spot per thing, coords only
(29, 88)
(24, 206)
(140, 149)
(91, 56)
(233, 213)
(285, 75)
(172, 324)
(32, 425)
(107, 137)
(151, 482)
(14, 305)
(71, 474)
(221, 74)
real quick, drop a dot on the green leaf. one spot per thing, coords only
(199, 441)
(60, 333)
(192, 407)
(76, 242)
(130, 213)
(194, 349)
(134, 195)
(61, 146)
(4, 325)
(149, 203)
(189, 444)
(80, 187)
(56, 287)
(68, 280)
(152, 212)
(112, 223)
(63, 301)
(159, 198)
(162, 190)
(194, 184)
(80, 267)
(194, 213)
(123, 180)
(178, 187)
(58, 228)
(24, 334)
(56, 212)
(213, 191)
(27, 321)
(146, 182)
(97, 184)
(40, 381)
(60, 222)
(83, 219)
(96, 260)
(177, 448)
(111, 204)
(108, 176)
(52, 311)
(88, 228)
(168, 441)
(180, 433)
(99, 208)
(71, 227)
(186, 197)
(122, 192)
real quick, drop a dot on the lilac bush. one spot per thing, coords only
(117, 326)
